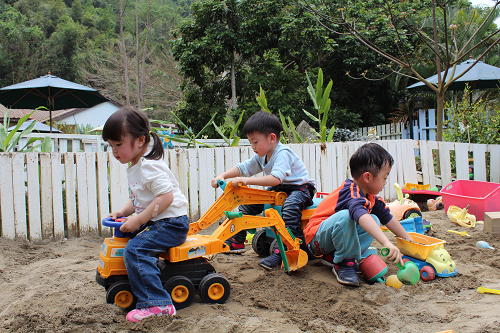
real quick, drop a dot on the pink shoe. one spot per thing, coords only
(140, 314)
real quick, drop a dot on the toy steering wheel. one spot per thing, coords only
(109, 222)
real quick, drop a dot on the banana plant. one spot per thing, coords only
(322, 103)
(191, 138)
(9, 140)
(287, 128)
(230, 141)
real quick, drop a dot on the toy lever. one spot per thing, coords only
(232, 215)
(483, 290)
(221, 184)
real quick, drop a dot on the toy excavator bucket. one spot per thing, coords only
(296, 259)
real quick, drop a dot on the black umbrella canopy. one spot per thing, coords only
(480, 76)
(51, 92)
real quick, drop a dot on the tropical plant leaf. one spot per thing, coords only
(261, 99)
(330, 135)
(283, 123)
(221, 133)
(296, 135)
(235, 142)
(310, 115)
(237, 125)
(206, 126)
(319, 87)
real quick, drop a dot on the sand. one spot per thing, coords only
(50, 287)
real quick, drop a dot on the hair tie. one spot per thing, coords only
(149, 132)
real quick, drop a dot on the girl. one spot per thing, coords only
(160, 220)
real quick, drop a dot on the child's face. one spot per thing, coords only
(128, 149)
(261, 143)
(377, 183)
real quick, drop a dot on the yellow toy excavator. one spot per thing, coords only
(184, 267)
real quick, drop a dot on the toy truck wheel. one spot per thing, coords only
(214, 288)
(181, 289)
(427, 273)
(412, 213)
(273, 245)
(259, 243)
(120, 293)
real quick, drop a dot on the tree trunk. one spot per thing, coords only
(440, 116)
(124, 54)
(144, 51)
(137, 50)
(233, 82)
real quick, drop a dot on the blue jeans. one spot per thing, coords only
(141, 259)
(291, 211)
(343, 236)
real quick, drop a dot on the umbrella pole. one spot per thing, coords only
(50, 115)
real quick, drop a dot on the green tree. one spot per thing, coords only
(419, 28)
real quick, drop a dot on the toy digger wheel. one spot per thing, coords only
(181, 289)
(214, 288)
(120, 293)
(412, 213)
(260, 243)
(427, 273)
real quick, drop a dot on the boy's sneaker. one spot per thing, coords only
(346, 273)
(327, 260)
(271, 261)
(235, 247)
(140, 314)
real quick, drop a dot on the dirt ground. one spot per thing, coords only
(50, 287)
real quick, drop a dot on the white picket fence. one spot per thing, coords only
(54, 195)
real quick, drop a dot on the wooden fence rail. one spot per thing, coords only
(56, 195)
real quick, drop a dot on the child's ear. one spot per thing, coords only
(367, 177)
(273, 137)
(141, 140)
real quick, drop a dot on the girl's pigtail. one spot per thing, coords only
(157, 151)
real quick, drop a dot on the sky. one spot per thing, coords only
(485, 3)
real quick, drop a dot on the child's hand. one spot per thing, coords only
(116, 214)
(395, 254)
(131, 224)
(214, 181)
(239, 181)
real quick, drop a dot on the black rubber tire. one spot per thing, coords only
(260, 243)
(409, 212)
(214, 288)
(120, 293)
(181, 289)
(274, 244)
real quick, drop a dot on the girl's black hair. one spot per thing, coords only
(129, 121)
(369, 157)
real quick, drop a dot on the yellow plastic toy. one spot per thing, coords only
(461, 233)
(393, 281)
(185, 267)
(483, 290)
(403, 208)
(461, 216)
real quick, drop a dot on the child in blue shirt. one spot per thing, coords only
(283, 172)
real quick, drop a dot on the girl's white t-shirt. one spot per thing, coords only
(149, 178)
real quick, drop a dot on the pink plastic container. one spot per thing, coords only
(481, 196)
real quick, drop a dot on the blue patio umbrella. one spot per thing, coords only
(51, 92)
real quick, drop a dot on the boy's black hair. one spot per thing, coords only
(129, 121)
(263, 122)
(369, 157)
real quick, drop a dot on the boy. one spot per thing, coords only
(345, 223)
(284, 172)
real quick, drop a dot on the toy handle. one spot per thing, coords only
(221, 184)
(385, 252)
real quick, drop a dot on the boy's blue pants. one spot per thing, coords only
(343, 236)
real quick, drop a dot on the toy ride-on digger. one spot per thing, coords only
(185, 268)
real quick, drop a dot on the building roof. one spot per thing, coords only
(44, 116)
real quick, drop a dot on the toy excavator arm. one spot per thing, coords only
(232, 198)
(293, 257)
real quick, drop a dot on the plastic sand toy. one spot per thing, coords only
(461, 216)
